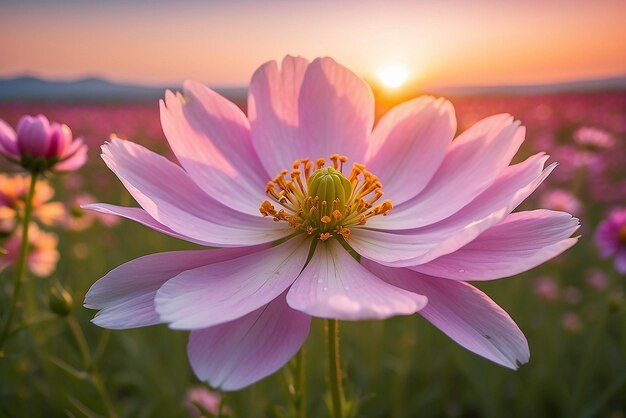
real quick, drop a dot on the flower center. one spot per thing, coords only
(324, 202)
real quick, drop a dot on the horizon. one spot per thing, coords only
(221, 44)
(95, 77)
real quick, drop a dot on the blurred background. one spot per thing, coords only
(100, 67)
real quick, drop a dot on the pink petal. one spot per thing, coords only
(141, 216)
(223, 292)
(211, 139)
(8, 143)
(520, 242)
(465, 314)
(420, 245)
(273, 112)
(335, 285)
(408, 145)
(180, 204)
(72, 148)
(472, 164)
(60, 138)
(336, 112)
(75, 161)
(125, 296)
(238, 353)
(33, 135)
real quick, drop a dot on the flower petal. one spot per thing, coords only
(273, 112)
(520, 242)
(141, 216)
(8, 140)
(408, 145)
(180, 204)
(238, 353)
(211, 139)
(223, 292)
(336, 112)
(334, 285)
(125, 296)
(75, 160)
(472, 164)
(465, 314)
(420, 245)
(33, 135)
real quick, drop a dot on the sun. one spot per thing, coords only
(393, 75)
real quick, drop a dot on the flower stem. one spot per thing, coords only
(90, 365)
(301, 384)
(334, 367)
(21, 263)
(81, 341)
(104, 395)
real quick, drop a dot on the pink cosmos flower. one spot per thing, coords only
(559, 199)
(78, 219)
(43, 255)
(40, 145)
(611, 238)
(596, 279)
(593, 139)
(302, 236)
(547, 289)
(571, 322)
(199, 399)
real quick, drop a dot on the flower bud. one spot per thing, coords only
(39, 145)
(60, 301)
(33, 135)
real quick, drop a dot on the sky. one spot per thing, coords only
(439, 43)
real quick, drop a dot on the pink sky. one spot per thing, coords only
(221, 43)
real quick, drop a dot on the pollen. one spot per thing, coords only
(321, 200)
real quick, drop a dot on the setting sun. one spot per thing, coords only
(393, 75)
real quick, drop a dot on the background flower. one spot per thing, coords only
(43, 254)
(39, 145)
(611, 238)
(13, 192)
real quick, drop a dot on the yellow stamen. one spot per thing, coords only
(324, 201)
(324, 236)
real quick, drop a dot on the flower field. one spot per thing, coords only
(572, 309)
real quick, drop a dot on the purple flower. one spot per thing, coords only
(611, 238)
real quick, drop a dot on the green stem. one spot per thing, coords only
(81, 341)
(334, 367)
(220, 406)
(301, 406)
(90, 366)
(104, 395)
(21, 263)
(587, 362)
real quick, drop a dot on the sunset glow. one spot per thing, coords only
(393, 75)
(220, 43)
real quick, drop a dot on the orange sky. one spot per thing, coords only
(221, 43)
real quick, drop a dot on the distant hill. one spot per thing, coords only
(91, 89)
(579, 86)
(95, 89)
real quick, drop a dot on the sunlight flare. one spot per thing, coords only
(393, 75)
